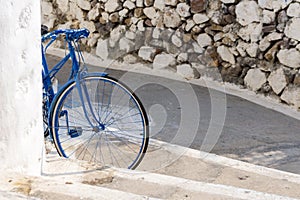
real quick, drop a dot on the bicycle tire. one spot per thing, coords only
(119, 134)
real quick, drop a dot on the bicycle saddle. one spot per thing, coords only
(44, 29)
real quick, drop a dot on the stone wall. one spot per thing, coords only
(252, 43)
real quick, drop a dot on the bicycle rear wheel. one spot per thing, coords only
(109, 128)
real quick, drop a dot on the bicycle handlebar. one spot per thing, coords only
(71, 34)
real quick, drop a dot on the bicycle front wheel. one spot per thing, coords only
(100, 121)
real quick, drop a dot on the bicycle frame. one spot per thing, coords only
(49, 74)
(75, 75)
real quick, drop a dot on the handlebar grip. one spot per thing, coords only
(71, 34)
(77, 33)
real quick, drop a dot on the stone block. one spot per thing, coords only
(187, 71)
(255, 79)
(84, 4)
(198, 6)
(289, 57)
(163, 60)
(200, 18)
(292, 29)
(171, 19)
(291, 95)
(226, 54)
(247, 12)
(277, 80)
(112, 6)
(293, 10)
(183, 9)
(102, 49)
(204, 40)
(147, 53)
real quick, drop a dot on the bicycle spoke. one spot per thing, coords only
(111, 132)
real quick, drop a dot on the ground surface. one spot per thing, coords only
(205, 119)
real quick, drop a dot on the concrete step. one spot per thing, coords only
(169, 187)
(167, 172)
(177, 161)
(61, 187)
(124, 184)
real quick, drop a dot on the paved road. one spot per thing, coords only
(205, 119)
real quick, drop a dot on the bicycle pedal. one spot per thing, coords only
(75, 132)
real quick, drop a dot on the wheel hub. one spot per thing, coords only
(99, 128)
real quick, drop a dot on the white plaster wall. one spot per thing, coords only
(21, 129)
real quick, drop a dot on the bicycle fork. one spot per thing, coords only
(93, 121)
(88, 109)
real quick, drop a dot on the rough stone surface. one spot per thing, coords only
(126, 45)
(159, 4)
(200, 18)
(294, 10)
(255, 79)
(93, 40)
(130, 35)
(225, 54)
(272, 4)
(148, 2)
(63, 5)
(130, 59)
(183, 10)
(129, 4)
(171, 2)
(123, 13)
(204, 40)
(114, 17)
(139, 3)
(112, 5)
(94, 12)
(198, 6)
(252, 49)
(264, 44)
(187, 71)
(268, 16)
(252, 32)
(228, 1)
(278, 80)
(291, 95)
(84, 4)
(182, 57)
(292, 29)
(141, 26)
(290, 58)
(189, 25)
(274, 36)
(241, 48)
(270, 55)
(147, 53)
(247, 12)
(163, 60)
(150, 12)
(296, 81)
(89, 25)
(171, 19)
(176, 40)
(47, 8)
(102, 49)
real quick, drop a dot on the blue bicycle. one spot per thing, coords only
(92, 116)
